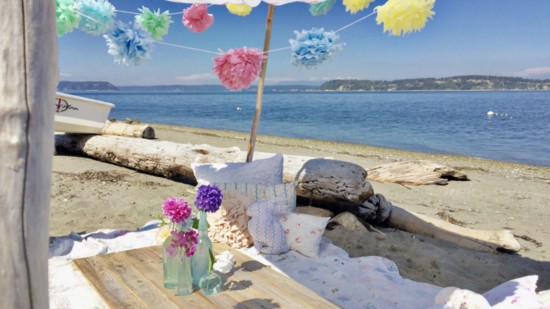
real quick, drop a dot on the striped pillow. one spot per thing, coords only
(230, 223)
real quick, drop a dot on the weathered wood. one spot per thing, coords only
(418, 172)
(162, 158)
(128, 129)
(468, 238)
(28, 67)
(133, 279)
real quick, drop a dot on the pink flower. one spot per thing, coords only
(238, 68)
(175, 209)
(196, 18)
(191, 241)
(181, 242)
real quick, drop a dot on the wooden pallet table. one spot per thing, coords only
(134, 279)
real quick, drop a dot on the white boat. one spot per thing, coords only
(74, 114)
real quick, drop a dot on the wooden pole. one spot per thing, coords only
(28, 77)
(260, 91)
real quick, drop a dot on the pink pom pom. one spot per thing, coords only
(196, 18)
(238, 68)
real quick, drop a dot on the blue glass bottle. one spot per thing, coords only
(200, 263)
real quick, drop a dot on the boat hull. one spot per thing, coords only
(74, 114)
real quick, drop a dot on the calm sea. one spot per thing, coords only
(437, 122)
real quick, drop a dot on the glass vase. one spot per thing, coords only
(200, 263)
(185, 279)
(170, 263)
(211, 283)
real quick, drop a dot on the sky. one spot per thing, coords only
(464, 37)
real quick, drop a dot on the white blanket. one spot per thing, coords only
(362, 282)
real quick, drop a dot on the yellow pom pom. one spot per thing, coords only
(354, 6)
(404, 16)
(239, 9)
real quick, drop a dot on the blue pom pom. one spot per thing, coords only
(313, 47)
(321, 8)
(129, 44)
(97, 16)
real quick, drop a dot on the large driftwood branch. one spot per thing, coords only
(336, 185)
(418, 172)
(27, 87)
(128, 129)
(474, 239)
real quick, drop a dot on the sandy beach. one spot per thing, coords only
(88, 195)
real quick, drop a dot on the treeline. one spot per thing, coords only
(468, 82)
(67, 86)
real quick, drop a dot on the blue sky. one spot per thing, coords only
(488, 37)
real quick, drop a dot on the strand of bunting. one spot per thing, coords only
(131, 44)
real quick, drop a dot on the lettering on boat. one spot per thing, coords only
(62, 105)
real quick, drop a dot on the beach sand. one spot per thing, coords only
(88, 195)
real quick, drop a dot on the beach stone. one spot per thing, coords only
(334, 185)
(314, 211)
(375, 209)
(416, 172)
(348, 221)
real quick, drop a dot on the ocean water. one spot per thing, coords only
(435, 122)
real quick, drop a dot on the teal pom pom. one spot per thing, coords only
(67, 16)
(97, 16)
(321, 8)
(129, 44)
(156, 23)
(313, 47)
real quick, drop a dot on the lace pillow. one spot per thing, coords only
(264, 171)
(264, 226)
(304, 232)
(230, 223)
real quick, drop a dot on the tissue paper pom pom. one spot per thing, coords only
(239, 9)
(312, 47)
(238, 68)
(67, 16)
(97, 16)
(354, 6)
(196, 18)
(403, 16)
(321, 8)
(129, 44)
(156, 23)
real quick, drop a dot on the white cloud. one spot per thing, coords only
(198, 79)
(63, 74)
(540, 72)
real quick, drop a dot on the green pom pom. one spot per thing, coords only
(67, 16)
(156, 23)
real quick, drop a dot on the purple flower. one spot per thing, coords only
(209, 198)
(191, 241)
(175, 209)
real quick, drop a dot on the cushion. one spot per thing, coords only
(517, 293)
(304, 232)
(264, 226)
(230, 223)
(452, 297)
(264, 171)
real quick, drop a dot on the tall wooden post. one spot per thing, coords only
(260, 91)
(28, 76)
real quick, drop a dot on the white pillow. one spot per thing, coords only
(265, 228)
(264, 171)
(304, 232)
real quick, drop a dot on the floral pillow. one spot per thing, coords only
(230, 223)
(264, 171)
(264, 226)
(517, 293)
(304, 232)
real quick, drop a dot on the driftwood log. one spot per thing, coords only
(28, 67)
(417, 172)
(128, 129)
(473, 239)
(336, 185)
